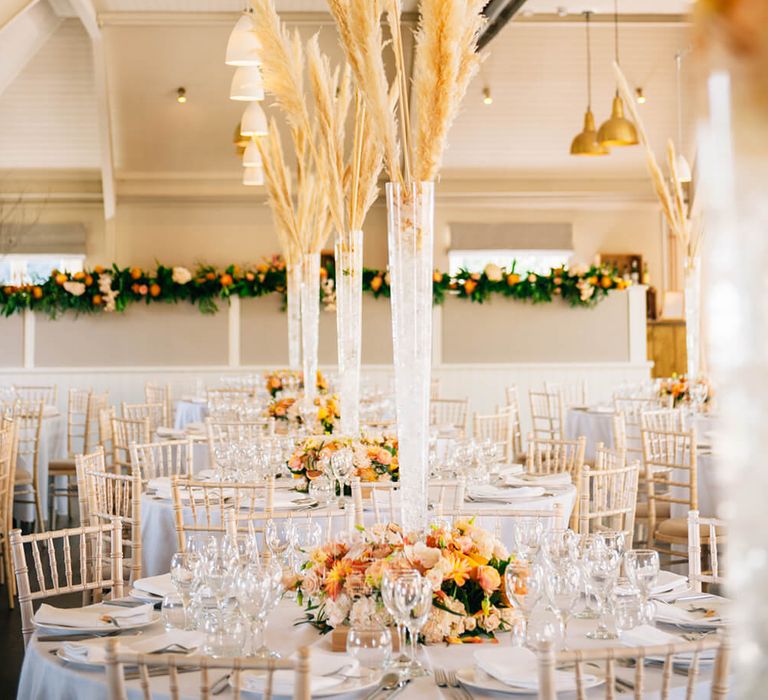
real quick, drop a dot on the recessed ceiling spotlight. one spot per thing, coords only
(181, 95)
(562, 11)
(640, 96)
(487, 97)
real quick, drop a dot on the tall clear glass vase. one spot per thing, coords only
(410, 236)
(349, 312)
(310, 320)
(693, 318)
(293, 293)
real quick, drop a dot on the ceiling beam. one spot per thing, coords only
(23, 36)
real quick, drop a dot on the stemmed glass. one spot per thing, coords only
(370, 645)
(413, 601)
(563, 586)
(307, 535)
(699, 390)
(182, 577)
(524, 585)
(642, 569)
(602, 565)
(257, 591)
(388, 581)
(341, 466)
(280, 537)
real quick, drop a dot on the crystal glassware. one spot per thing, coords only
(174, 612)
(524, 586)
(602, 565)
(563, 585)
(388, 581)
(370, 645)
(413, 601)
(182, 577)
(642, 569)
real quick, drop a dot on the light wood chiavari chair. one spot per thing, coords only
(713, 530)
(156, 393)
(549, 660)
(512, 406)
(106, 434)
(449, 412)
(226, 431)
(608, 499)
(61, 577)
(632, 410)
(210, 669)
(127, 432)
(607, 458)
(547, 415)
(200, 507)
(670, 419)
(84, 465)
(47, 393)
(28, 417)
(153, 412)
(167, 458)
(573, 393)
(380, 499)
(7, 468)
(446, 494)
(498, 428)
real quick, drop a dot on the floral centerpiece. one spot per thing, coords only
(288, 410)
(374, 458)
(276, 380)
(341, 581)
(678, 388)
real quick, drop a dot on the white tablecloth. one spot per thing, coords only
(189, 411)
(45, 677)
(595, 425)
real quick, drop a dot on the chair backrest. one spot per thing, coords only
(446, 494)
(7, 473)
(97, 548)
(160, 393)
(608, 500)
(609, 458)
(77, 421)
(583, 660)
(632, 410)
(84, 465)
(167, 458)
(573, 393)
(170, 666)
(96, 404)
(111, 497)
(714, 529)
(451, 412)
(228, 431)
(546, 414)
(127, 432)
(200, 507)
(106, 434)
(380, 499)
(498, 428)
(513, 411)
(670, 419)
(154, 412)
(669, 463)
(47, 393)
(548, 456)
(28, 417)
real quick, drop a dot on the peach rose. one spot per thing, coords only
(488, 579)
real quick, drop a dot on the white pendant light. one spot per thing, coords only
(252, 157)
(253, 176)
(247, 85)
(243, 46)
(254, 121)
(683, 169)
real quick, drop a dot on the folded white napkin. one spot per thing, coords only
(283, 681)
(680, 615)
(486, 492)
(647, 635)
(518, 667)
(669, 581)
(95, 650)
(90, 616)
(166, 432)
(156, 585)
(557, 479)
(162, 488)
(194, 428)
(511, 469)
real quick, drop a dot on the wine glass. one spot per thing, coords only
(341, 466)
(182, 577)
(307, 535)
(370, 645)
(413, 601)
(642, 568)
(563, 586)
(524, 585)
(602, 565)
(388, 581)
(256, 593)
(280, 537)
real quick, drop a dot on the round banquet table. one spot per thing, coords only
(158, 524)
(45, 677)
(190, 411)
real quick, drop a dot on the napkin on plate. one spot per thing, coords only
(323, 663)
(557, 479)
(676, 615)
(511, 470)
(95, 650)
(166, 432)
(647, 635)
(669, 581)
(90, 616)
(194, 428)
(518, 667)
(486, 492)
(155, 585)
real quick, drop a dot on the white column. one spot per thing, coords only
(233, 332)
(636, 324)
(29, 339)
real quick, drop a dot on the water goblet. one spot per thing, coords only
(563, 585)
(370, 645)
(642, 569)
(280, 538)
(257, 592)
(182, 576)
(342, 466)
(395, 571)
(413, 601)
(602, 565)
(524, 586)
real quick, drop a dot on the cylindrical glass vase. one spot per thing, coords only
(693, 318)
(349, 312)
(310, 320)
(410, 224)
(293, 303)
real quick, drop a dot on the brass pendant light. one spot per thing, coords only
(585, 143)
(617, 130)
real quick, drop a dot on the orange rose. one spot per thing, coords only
(135, 273)
(236, 270)
(37, 292)
(437, 276)
(376, 283)
(250, 276)
(154, 290)
(88, 280)
(143, 289)
(606, 282)
(469, 286)
(61, 278)
(78, 276)
(96, 299)
(225, 280)
(513, 279)
(135, 287)
(323, 272)
(98, 269)
(592, 280)
(488, 579)
(210, 275)
(263, 267)
(557, 290)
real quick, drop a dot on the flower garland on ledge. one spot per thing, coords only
(114, 289)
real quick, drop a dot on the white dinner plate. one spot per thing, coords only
(350, 685)
(144, 597)
(62, 654)
(475, 678)
(102, 627)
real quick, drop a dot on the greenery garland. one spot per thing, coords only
(115, 289)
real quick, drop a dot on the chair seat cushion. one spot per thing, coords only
(23, 477)
(678, 528)
(662, 510)
(57, 467)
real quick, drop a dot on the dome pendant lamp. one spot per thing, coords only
(617, 130)
(243, 46)
(585, 143)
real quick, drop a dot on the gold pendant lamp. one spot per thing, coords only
(617, 130)
(585, 143)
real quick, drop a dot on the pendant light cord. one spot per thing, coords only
(589, 64)
(616, 30)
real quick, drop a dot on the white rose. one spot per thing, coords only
(337, 610)
(578, 270)
(105, 283)
(363, 612)
(493, 272)
(181, 275)
(426, 556)
(435, 578)
(76, 289)
(532, 278)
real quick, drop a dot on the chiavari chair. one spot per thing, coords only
(609, 458)
(7, 468)
(210, 669)
(632, 409)
(28, 417)
(446, 494)
(153, 412)
(47, 393)
(547, 415)
(498, 521)
(573, 393)
(713, 530)
(200, 507)
(91, 550)
(608, 497)
(167, 458)
(498, 428)
(160, 394)
(106, 434)
(449, 412)
(226, 431)
(512, 406)
(609, 657)
(127, 432)
(381, 499)
(669, 419)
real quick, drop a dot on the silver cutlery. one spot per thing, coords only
(158, 671)
(220, 685)
(389, 681)
(174, 649)
(456, 683)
